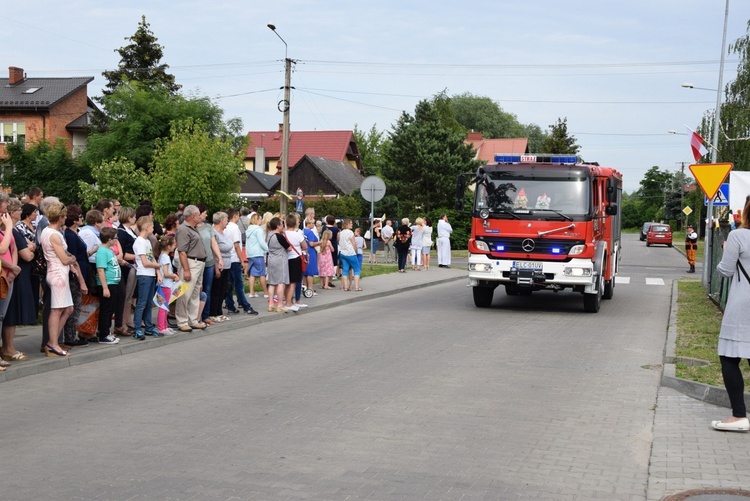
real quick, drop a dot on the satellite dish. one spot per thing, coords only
(372, 188)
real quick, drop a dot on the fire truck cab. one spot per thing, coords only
(544, 222)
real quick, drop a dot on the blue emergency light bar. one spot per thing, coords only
(503, 158)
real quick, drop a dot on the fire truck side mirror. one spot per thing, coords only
(460, 190)
(611, 209)
(611, 191)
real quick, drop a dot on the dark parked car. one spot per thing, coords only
(644, 231)
(659, 234)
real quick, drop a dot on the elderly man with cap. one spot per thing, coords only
(691, 245)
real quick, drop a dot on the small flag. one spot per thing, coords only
(696, 144)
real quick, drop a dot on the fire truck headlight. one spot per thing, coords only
(480, 267)
(576, 249)
(577, 272)
(482, 246)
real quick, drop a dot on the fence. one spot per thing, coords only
(718, 285)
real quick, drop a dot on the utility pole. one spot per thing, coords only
(284, 108)
(682, 190)
(708, 243)
(284, 105)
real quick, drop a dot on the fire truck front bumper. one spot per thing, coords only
(552, 274)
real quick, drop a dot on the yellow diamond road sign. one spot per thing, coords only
(710, 176)
(687, 210)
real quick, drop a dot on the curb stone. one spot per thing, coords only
(700, 391)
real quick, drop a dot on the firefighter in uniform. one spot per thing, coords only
(691, 245)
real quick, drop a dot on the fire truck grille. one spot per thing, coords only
(500, 246)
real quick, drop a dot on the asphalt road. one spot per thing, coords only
(419, 395)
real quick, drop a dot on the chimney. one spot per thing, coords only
(260, 160)
(474, 136)
(15, 75)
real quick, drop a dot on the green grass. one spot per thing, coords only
(698, 325)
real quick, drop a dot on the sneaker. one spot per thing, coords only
(110, 339)
(301, 305)
(166, 332)
(138, 335)
(253, 295)
(293, 307)
(152, 332)
(265, 296)
(251, 311)
(78, 342)
(235, 310)
(276, 299)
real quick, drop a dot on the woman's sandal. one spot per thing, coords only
(347, 290)
(16, 357)
(51, 352)
(358, 290)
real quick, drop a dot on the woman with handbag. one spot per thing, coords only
(734, 336)
(277, 266)
(296, 254)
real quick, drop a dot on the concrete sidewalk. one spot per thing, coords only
(28, 339)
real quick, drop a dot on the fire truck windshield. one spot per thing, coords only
(524, 195)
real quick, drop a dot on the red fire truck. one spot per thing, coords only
(544, 222)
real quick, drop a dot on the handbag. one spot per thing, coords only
(39, 263)
(303, 259)
(4, 287)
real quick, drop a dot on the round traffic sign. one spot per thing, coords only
(372, 188)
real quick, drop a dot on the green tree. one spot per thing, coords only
(370, 144)
(423, 159)
(140, 61)
(118, 179)
(51, 167)
(139, 115)
(559, 141)
(192, 166)
(733, 145)
(482, 114)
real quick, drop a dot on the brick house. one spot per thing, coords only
(44, 108)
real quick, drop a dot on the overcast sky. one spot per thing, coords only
(614, 69)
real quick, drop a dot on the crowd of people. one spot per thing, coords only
(55, 258)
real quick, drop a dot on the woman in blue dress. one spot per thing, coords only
(312, 255)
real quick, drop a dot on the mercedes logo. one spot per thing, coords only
(528, 245)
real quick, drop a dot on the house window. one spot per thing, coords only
(12, 133)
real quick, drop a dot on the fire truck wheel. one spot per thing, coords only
(592, 302)
(609, 289)
(483, 296)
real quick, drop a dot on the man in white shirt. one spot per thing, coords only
(90, 233)
(236, 271)
(444, 230)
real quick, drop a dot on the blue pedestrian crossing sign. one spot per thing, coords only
(722, 196)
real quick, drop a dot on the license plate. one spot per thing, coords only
(527, 265)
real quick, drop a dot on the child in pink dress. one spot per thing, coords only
(325, 260)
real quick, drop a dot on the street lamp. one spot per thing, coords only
(284, 108)
(672, 131)
(688, 85)
(707, 251)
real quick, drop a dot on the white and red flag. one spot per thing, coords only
(696, 144)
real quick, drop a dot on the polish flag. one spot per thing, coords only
(696, 144)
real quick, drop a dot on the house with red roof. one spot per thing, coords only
(264, 149)
(32, 109)
(487, 148)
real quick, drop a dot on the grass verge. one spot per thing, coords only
(698, 325)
